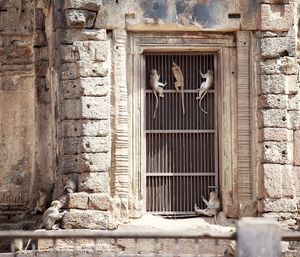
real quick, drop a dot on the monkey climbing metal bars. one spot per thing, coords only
(181, 149)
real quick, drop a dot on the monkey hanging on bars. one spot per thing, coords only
(157, 87)
(179, 83)
(205, 86)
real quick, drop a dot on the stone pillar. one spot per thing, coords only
(17, 108)
(278, 114)
(258, 237)
(120, 155)
(85, 107)
(46, 87)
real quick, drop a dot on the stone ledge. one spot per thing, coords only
(86, 219)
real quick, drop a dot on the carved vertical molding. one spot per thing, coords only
(120, 165)
(244, 182)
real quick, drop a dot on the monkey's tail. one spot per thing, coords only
(182, 101)
(200, 100)
(156, 105)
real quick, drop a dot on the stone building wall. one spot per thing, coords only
(67, 103)
(279, 111)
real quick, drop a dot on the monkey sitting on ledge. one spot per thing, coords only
(213, 205)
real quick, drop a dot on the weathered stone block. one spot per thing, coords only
(92, 5)
(77, 201)
(69, 53)
(95, 107)
(71, 89)
(74, 89)
(292, 84)
(280, 205)
(75, 128)
(75, 145)
(80, 18)
(297, 148)
(99, 201)
(277, 152)
(273, 84)
(41, 68)
(294, 120)
(91, 162)
(97, 182)
(96, 128)
(69, 36)
(93, 50)
(95, 86)
(39, 19)
(284, 65)
(80, 219)
(276, 17)
(297, 179)
(71, 109)
(93, 69)
(288, 182)
(41, 53)
(10, 25)
(70, 71)
(272, 101)
(274, 47)
(95, 144)
(40, 38)
(42, 91)
(277, 118)
(273, 180)
(275, 134)
(294, 102)
(71, 128)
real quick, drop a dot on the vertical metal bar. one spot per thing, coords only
(94, 246)
(197, 248)
(156, 247)
(216, 154)
(74, 247)
(115, 247)
(33, 248)
(135, 250)
(176, 248)
(54, 244)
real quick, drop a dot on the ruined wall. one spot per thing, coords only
(84, 96)
(26, 119)
(279, 114)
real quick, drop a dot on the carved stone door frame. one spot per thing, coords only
(224, 46)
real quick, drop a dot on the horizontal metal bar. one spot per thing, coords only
(190, 131)
(59, 234)
(211, 91)
(290, 236)
(171, 174)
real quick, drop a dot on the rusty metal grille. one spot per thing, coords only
(181, 149)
